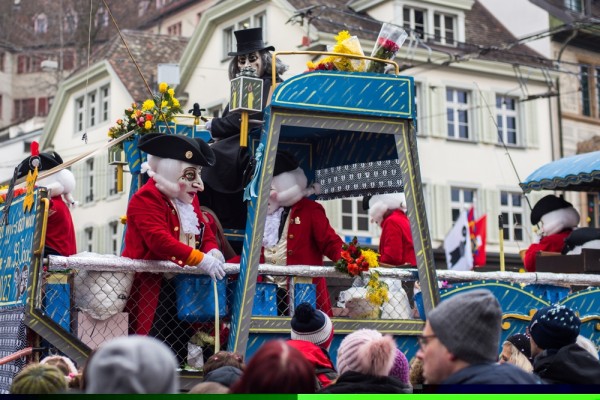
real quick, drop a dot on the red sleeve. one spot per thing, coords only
(552, 243)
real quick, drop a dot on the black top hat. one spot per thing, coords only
(47, 161)
(249, 41)
(178, 147)
(284, 162)
(547, 204)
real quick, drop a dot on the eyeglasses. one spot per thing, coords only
(424, 340)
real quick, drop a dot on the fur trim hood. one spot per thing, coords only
(382, 203)
(291, 187)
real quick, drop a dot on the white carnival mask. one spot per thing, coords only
(252, 61)
(190, 183)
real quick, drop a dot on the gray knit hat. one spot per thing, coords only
(133, 364)
(469, 325)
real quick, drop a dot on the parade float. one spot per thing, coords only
(352, 128)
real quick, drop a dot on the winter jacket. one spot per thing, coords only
(355, 382)
(319, 358)
(491, 374)
(570, 364)
(226, 375)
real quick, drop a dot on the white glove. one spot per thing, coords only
(212, 266)
(217, 254)
(208, 124)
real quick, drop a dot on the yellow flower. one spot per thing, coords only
(148, 105)
(164, 104)
(311, 65)
(343, 35)
(175, 102)
(123, 219)
(371, 257)
(148, 125)
(162, 87)
(171, 92)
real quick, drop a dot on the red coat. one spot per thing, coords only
(60, 234)
(310, 237)
(396, 243)
(319, 358)
(553, 243)
(153, 234)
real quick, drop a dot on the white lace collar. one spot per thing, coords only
(188, 218)
(271, 235)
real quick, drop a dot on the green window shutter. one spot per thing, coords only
(528, 117)
(77, 170)
(102, 171)
(486, 117)
(490, 205)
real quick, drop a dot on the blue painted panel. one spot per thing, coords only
(348, 93)
(305, 293)
(265, 300)
(196, 298)
(57, 304)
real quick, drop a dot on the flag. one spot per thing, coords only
(457, 245)
(478, 236)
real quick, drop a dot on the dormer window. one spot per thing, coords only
(432, 22)
(40, 23)
(574, 5)
(444, 29)
(414, 21)
(70, 21)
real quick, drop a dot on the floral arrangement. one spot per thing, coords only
(161, 107)
(389, 41)
(346, 44)
(377, 291)
(355, 259)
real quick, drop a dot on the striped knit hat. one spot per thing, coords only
(311, 325)
(368, 352)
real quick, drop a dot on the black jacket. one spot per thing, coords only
(492, 374)
(354, 382)
(570, 364)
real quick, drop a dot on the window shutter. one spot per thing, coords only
(102, 171)
(490, 205)
(528, 116)
(441, 219)
(437, 112)
(77, 170)
(486, 117)
(100, 233)
(79, 239)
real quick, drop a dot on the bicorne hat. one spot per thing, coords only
(284, 162)
(46, 162)
(547, 204)
(249, 41)
(178, 147)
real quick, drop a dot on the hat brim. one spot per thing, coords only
(240, 53)
(179, 147)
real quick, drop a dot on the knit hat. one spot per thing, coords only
(400, 369)
(522, 343)
(311, 325)
(366, 351)
(133, 364)
(39, 379)
(547, 204)
(554, 327)
(469, 325)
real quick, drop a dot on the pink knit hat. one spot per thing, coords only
(400, 369)
(366, 351)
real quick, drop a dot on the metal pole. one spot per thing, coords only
(501, 234)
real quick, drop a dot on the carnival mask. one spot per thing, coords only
(250, 64)
(190, 183)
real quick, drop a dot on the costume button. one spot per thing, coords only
(197, 243)
(291, 236)
(179, 262)
(290, 252)
(173, 258)
(176, 228)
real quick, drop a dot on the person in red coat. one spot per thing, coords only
(163, 224)
(396, 246)
(60, 234)
(557, 218)
(297, 231)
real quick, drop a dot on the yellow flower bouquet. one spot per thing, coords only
(346, 44)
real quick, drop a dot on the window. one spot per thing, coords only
(43, 106)
(0, 106)
(228, 41)
(355, 220)
(2, 57)
(574, 5)
(260, 21)
(174, 30)
(104, 103)
(113, 180)
(70, 21)
(457, 108)
(161, 3)
(444, 29)
(461, 199)
(414, 21)
(79, 112)
(506, 118)
(40, 23)
(68, 60)
(23, 62)
(88, 238)
(92, 108)
(589, 77)
(101, 17)
(511, 208)
(113, 237)
(89, 181)
(23, 109)
(215, 111)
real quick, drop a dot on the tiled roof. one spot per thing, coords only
(148, 51)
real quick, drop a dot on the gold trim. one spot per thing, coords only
(40, 249)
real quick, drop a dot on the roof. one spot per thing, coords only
(578, 173)
(148, 50)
